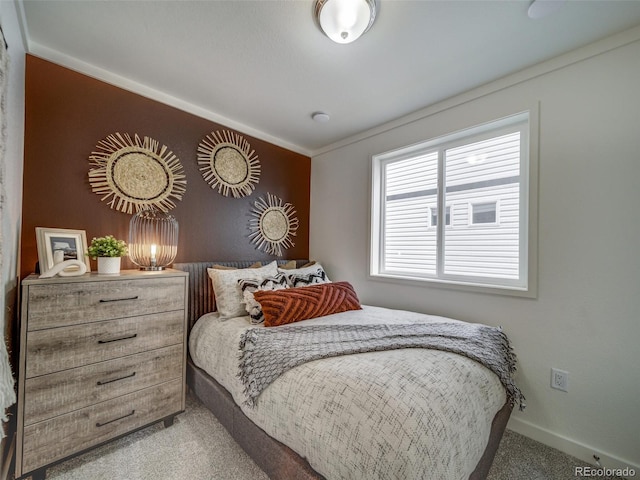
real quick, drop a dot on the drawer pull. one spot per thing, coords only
(118, 299)
(118, 339)
(99, 382)
(98, 424)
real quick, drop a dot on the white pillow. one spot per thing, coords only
(227, 291)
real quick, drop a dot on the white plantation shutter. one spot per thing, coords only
(479, 171)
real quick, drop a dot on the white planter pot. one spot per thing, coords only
(108, 265)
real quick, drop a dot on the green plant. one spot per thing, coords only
(107, 246)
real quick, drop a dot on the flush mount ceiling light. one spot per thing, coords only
(542, 8)
(320, 117)
(344, 21)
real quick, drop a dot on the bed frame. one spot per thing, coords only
(277, 460)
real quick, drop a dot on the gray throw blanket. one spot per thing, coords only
(266, 353)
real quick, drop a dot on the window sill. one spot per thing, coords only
(484, 288)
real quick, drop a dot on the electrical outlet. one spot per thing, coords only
(559, 379)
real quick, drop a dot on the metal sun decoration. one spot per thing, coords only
(273, 224)
(136, 174)
(228, 163)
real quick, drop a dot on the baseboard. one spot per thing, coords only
(569, 446)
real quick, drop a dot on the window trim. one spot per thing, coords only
(528, 217)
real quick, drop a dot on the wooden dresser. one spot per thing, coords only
(100, 356)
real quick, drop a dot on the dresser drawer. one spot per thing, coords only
(62, 348)
(59, 437)
(55, 305)
(51, 395)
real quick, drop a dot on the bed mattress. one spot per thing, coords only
(411, 413)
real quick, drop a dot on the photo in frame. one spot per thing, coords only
(57, 245)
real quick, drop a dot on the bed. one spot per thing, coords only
(275, 430)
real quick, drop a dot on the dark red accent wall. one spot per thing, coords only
(67, 113)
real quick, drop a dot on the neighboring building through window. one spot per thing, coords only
(484, 167)
(434, 216)
(483, 213)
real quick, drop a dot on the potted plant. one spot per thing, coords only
(108, 250)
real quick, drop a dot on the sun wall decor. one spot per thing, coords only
(228, 163)
(273, 224)
(134, 174)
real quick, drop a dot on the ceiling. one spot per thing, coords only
(263, 67)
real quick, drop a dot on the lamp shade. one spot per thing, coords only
(344, 21)
(153, 239)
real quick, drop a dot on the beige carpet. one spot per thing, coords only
(197, 447)
(520, 457)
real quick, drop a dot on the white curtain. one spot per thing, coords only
(7, 393)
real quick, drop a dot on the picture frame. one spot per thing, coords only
(71, 243)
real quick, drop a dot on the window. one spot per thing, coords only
(485, 245)
(434, 216)
(483, 213)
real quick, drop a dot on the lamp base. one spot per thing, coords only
(154, 269)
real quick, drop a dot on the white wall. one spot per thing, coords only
(586, 317)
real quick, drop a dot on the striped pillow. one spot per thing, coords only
(301, 277)
(250, 285)
(309, 279)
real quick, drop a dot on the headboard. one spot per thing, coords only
(200, 296)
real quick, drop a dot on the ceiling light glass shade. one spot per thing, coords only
(344, 21)
(153, 239)
(541, 8)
